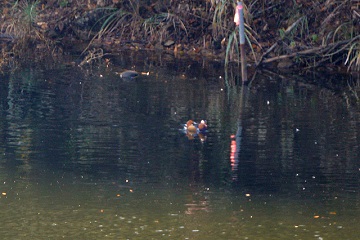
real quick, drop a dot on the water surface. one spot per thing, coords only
(87, 155)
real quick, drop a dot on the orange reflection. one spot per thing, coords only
(233, 155)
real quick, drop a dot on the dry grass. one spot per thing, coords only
(273, 28)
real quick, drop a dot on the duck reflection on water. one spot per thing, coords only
(193, 129)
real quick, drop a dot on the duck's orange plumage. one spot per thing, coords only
(190, 127)
(193, 129)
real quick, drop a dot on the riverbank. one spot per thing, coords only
(282, 34)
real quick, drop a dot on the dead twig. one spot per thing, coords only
(315, 50)
(332, 15)
(287, 31)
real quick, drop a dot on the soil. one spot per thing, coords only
(288, 33)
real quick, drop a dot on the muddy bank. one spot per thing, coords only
(282, 34)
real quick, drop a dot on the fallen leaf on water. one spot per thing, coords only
(316, 216)
(3, 193)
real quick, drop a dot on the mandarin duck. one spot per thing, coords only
(193, 129)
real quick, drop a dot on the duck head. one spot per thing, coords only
(202, 126)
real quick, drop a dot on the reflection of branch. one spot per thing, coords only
(353, 91)
(92, 55)
(195, 207)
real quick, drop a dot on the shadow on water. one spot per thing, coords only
(87, 155)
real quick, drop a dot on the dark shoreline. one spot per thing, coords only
(305, 34)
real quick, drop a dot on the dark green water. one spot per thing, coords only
(87, 155)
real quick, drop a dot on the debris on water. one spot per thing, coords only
(128, 74)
